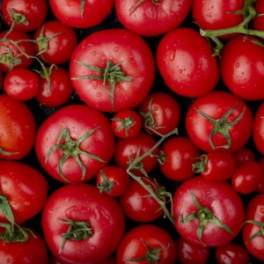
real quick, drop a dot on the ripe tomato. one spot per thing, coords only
(81, 225)
(219, 120)
(152, 18)
(188, 70)
(258, 21)
(258, 128)
(146, 244)
(74, 143)
(240, 67)
(243, 155)
(17, 129)
(253, 228)
(208, 213)
(112, 70)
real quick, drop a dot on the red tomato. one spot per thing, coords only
(243, 155)
(260, 187)
(160, 112)
(74, 143)
(240, 67)
(253, 228)
(21, 84)
(208, 213)
(55, 42)
(188, 70)
(23, 190)
(258, 129)
(112, 70)
(219, 120)
(81, 14)
(152, 18)
(258, 21)
(17, 129)
(25, 15)
(146, 244)
(81, 225)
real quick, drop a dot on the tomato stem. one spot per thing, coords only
(199, 166)
(257, 234)
(106, 185)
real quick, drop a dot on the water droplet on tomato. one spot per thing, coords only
(116, 48)
(172, 56)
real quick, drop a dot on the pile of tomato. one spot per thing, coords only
(131, 131)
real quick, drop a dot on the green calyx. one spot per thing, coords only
(259, 233)
(9, 59)
(18, 18)
(204, 216)
(199, 166)
(71, 149)
(126, 124)
(106, 185)
(133, 8)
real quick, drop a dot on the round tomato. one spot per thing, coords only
(258, 21)
(81, 225)
(208, 213)
(219, 120)
(74, 143)
(258, 128)
(112, 70)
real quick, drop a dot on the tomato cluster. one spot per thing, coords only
(131, 131)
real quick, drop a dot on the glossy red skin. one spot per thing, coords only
(17, 128)
(258, 129)
(124, 48)
(150, 18)
(254, 211)
(129, 147)
(216, 104)
(187, 69)
(6, 47)
(165, 111)
(109, 260)
(180, 154)
(114, 174)
(217, 14)
(138, 205)
(57, 90)
(32, 251)
(25, 187)
(232, 253)
(130, 117)
(69, 12)
(79, 119)
(247, 177)
(35, 12)
(132, 245)
(188, 253)
(243, 155)
(224, 203)
(260, 187)
(82, 202)
(62, 43)
(258, 21)
(21, 84)
(240, 70)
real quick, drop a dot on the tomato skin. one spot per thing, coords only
(254, 212)
(78, 120)
(188, 70)
(258, 20)
(82, 202)
(224, 203)
(240, 70)
(150, 18)
(132, 245)
(216, 104)
(243, 155)
(258, 128)
(124, 48)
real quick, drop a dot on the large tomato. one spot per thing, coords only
(74, 143)
(112, 70)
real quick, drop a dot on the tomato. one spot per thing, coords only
(219, 120)
(253, 228)
(146, 243)
(258, 128)
(21, 84)
(112, 180)
(55, 42)
(177, 155)
(258, 20)
(243, 155)
(208, 213)
(160, 112)
(126, 123)
(17, 129)
(112, 70)
(25, 15)
(188, 253)
(240, 67)
(81, 14)
(81, 225)
(187, 69)
(74, 143)
(260, 187)
(152, 18)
